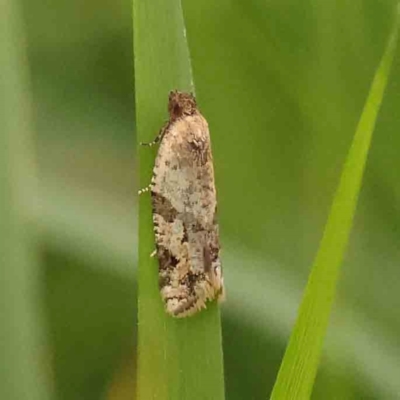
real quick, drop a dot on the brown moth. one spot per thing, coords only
(184, 210)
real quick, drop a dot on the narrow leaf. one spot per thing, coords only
(177, 359)
(299, 367)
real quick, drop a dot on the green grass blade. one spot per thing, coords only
(22, 352)
(298, 369)
(177, 359)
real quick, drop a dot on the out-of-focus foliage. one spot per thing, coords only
(300, 363)
(282, 84)
(22, 368)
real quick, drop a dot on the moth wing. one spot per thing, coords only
(184, 207)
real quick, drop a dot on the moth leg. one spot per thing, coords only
(145, 189)
(152, 143)
(153, 253)
(158, 137)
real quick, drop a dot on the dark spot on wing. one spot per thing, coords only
(163, 280)
(185, 235)
(200, 151)
(207, 259)
(163, 207)
(166, 259)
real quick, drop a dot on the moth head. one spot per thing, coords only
(181, 104)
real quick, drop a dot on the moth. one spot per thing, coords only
(184, 207)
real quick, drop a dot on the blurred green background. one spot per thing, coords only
(282, 84)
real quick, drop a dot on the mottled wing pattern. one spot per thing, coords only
(184, 215)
